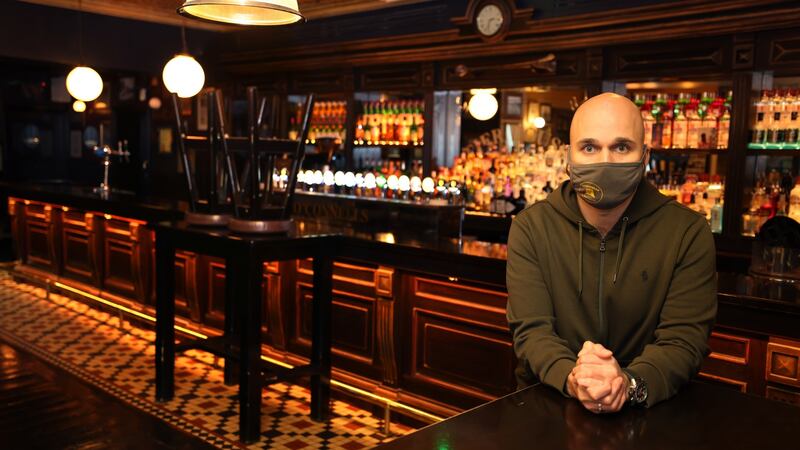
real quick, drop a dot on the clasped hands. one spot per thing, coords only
(597, 380)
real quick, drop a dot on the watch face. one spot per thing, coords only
(641, 393)
(489, 20)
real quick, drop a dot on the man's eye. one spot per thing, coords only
(622, 148)
(588, 148)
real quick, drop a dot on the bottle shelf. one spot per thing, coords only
(362, 143)
(688, 151)
(774, 152)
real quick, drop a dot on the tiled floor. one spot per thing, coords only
(89, 343)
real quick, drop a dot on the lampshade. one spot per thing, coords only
(244, 12)
(84, 83)
(483, 105)
(184, 76)
(78, 106)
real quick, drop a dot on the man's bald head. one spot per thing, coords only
(604, 121)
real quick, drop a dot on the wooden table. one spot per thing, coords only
(241, 343)
(701, 416)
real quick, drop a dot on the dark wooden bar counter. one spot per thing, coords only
(701, 416)
(416, 320)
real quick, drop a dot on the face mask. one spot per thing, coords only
(606, 185)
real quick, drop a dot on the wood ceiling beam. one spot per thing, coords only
(164, 11)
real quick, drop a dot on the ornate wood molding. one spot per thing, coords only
(661, 22)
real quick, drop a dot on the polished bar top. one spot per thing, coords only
(701, 416)
(120, 203)
(469, 258)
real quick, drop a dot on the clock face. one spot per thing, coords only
(489, 20)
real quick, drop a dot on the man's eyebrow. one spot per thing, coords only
(624, 140)
(586, 141)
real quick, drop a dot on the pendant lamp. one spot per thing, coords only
(83, 82)
(183, 75)
(243, 12)
(483, 104)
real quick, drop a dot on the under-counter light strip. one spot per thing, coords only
(347, 387)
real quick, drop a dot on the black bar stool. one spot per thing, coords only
(209, 205)
(263, 200)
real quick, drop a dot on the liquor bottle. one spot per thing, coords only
(724, 125)
(680, 123)
(657, 111)
(794, 201)
(759, 131)
(666, 124)
(774, 131)
(647, 118)
(693, 124)
(716, 217)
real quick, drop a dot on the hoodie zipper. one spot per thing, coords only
(600, 311)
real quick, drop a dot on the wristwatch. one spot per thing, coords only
(637, 389)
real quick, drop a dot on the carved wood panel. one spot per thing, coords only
(353, 316)
(514, 70)
(779, 50)
(321, 81)
(41, 237)
(214, 309)
(127, 258)
(783, 395)
(390, 78)
(16, 216)
(735, 361)
(703, 57)
(451, 325)
(78, 245)
(783, 362)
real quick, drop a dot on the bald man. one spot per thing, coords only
(611, 285)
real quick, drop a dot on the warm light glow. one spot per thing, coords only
(328, 178)
(193, 333)
(404, 183)
(183, 75)
(84, 83)
(244, 12)
(349, 179)
(154, 103)
(428, 185)
(338, 178)
(78, 106)
(483, 104)
(538, 122)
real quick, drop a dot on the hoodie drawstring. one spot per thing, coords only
(619, 251)
(580, 259)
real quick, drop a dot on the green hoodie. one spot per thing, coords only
(647, 291)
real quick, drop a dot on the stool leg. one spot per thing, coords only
(230, 320)
(321, 339)
(165, 319)
(249, 318)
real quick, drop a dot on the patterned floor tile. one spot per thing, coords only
(93, 345)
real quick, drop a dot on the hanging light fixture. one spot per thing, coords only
(183, 75)
(78, 106)
(483, 104)
(83, 82)
(244, 12)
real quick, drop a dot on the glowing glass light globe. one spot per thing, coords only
(84, 83)
(539, 122)
(78, 106)
(184, 76)
(483, 105)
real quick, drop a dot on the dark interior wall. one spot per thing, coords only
(38, 46)
(42, 33)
